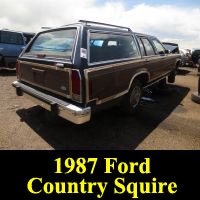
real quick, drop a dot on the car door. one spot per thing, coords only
(149, 56)
(166, 60)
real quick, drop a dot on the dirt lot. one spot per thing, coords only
(173, 122)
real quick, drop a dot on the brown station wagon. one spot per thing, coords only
(75, 69)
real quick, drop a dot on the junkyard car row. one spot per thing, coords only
(75, 69)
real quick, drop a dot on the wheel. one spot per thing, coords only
(132, 100)
(162, 84)
(172, 77)
(196, 97)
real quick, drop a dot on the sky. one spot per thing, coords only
(169, 20)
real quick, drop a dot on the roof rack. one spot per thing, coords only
(70, 24)
(103, 24)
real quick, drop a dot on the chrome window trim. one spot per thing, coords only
(75, 44)
(114, 60)
(153, 56)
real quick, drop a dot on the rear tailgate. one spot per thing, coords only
(48, 52)
(49, 77)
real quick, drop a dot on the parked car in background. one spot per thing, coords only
(76, 69)
(11, 45)
(186, 57)
(173, 48)
(28, 36)
(196, 56)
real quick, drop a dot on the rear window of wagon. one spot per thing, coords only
(59, 43)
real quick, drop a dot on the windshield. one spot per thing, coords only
(172, 48)
(55, 43)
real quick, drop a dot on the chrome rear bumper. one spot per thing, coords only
(62, 108)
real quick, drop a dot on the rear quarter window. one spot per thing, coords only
(55, 43)
(107, 47)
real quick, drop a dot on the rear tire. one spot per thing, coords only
(172, 77)
(162, 84)
(131, 102)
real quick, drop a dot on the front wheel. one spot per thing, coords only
(132, 100)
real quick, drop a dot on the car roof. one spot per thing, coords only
(99, 28)
(143, 35)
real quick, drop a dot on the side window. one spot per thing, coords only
(148, 47)
(159, 47)
(113, 47)
(112, 43)
(11, 38)
(141, 47)
(97, 43)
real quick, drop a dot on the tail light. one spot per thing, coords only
(76, 85)
(18, 69)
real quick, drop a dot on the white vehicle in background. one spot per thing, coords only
(196, 56)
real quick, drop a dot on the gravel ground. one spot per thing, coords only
(172, 122)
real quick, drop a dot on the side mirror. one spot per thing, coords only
(161, 52)
(167, 51)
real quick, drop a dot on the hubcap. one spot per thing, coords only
(135, 96)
